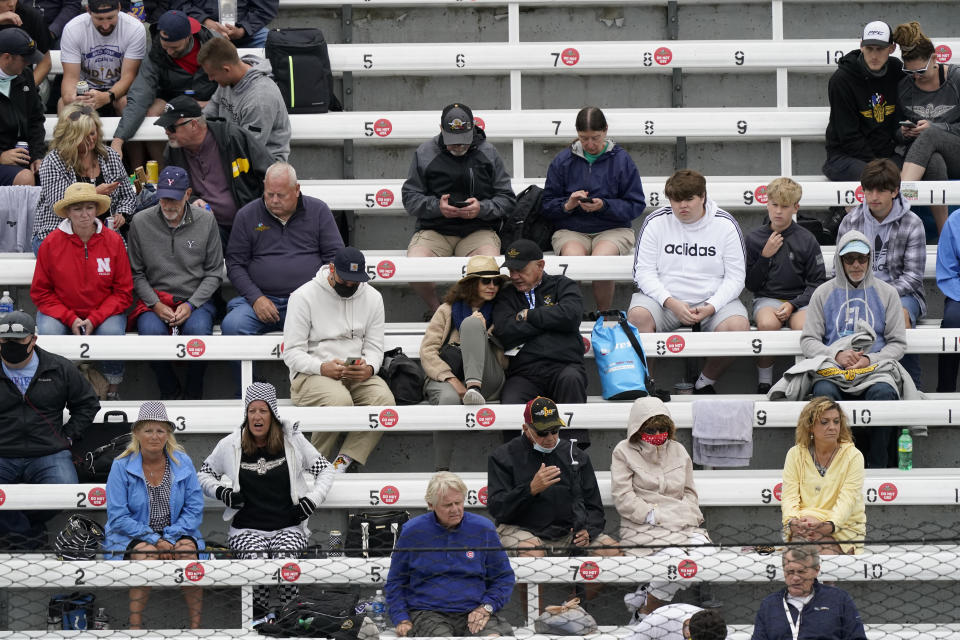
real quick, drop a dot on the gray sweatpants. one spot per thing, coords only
(939, 151)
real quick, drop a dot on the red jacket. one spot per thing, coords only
(73, 280)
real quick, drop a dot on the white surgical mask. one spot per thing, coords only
(543, 449)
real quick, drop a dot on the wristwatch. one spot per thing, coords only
(113, 96)
(488, 607)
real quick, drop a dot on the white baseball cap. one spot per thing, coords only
(877, 33)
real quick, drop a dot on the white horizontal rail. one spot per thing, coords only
(298, 4)
(726, 488)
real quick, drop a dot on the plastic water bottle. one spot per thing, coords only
(379, 609)
(6, 303)
(138, 11)
(101, 620)
(905, 451)
(228, 11)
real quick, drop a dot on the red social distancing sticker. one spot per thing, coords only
(479, 122)
(389, 418)
(663, 55)
(760, 194)
(196, 347)
(3, 496)
(97, 496)
(589, 570)
(290, 572)
(384, 197)
(687, 568)
(194, 572)
(389, 495)
(486, 417)
(482, 495)
(887, 491)
(570, 56)
(382, 127)
(944, 53)
(675, 343)
(778, 491)
(858, 194)
(386, 269)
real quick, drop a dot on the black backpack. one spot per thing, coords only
(332, 614)
(525, 221)
(301, 68)
(404, 377)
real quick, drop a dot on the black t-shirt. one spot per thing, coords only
(265, 485)
(33, 24)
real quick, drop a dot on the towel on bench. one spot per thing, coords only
(722, 432)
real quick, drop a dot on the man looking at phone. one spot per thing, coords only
(333, 346)
(458, 190)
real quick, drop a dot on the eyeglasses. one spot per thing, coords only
(172, 128)
(552, 431)
(918, 72)
(85, 110)
(495, 281)
(853, 258)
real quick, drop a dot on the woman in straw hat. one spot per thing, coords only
(462, 364)
(154, 505)
(82, 282)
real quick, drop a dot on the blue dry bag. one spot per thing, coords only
(623, 367)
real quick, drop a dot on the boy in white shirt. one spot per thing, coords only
(689, 268)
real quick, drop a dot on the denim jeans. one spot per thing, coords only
(54, 468)
(252, 41)
(200, 323)
(876, 443)
(242, 321)
(116, 325)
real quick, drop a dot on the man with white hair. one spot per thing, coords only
(458, 590)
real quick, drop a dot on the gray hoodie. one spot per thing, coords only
(255, 104)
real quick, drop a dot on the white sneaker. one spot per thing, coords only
(473, 397)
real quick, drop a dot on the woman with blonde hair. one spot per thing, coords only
(154, 505)
(77, 154)
(822, 497)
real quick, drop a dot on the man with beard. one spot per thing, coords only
(103, 47)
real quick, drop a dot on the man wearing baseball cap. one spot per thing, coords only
(170, 69)
(21, 111)
(543, 490)
(28, 17)
(36, 386)
(458, 189)
(864, 106)
(333, 346)
(177, 261)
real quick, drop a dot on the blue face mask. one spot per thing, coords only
(542, 449)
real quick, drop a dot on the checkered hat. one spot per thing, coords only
(153, 410)
(261, 391)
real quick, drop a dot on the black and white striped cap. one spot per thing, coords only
(261, 391)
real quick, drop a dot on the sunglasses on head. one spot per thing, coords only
(852, 258)
(85, 110)
(172, 128)
(918, 72)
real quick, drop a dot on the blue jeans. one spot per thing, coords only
(252, 41)
(116, 325)
(242, 321)
(911, 361)
(200, 323)
(54, 468)
(878, 444)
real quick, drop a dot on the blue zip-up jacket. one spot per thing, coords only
(830, 615)
(613, 178)
(128, 504)
(471, 570)
(948, 258)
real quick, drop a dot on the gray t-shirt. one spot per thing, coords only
(940, 107)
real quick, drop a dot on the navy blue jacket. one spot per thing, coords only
(793, 273)
(613, 177)
(471, 570)
(830, 615)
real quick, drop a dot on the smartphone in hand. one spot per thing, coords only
(908, 124)
(585, 199)
(353, 361)
(460, 205)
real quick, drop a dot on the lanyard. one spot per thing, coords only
(531, 298)
(794, 626)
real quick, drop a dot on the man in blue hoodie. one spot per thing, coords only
(457, 590)
(806, 608)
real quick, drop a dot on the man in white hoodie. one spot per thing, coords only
(689, 268)
(246, 96)
(333, 346)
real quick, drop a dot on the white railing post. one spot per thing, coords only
(516, 104)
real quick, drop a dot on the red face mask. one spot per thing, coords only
(656, 439)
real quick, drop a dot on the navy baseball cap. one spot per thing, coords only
(520, 253)
(173, 183)
(176, 25)
(179, 107)
(350, 265)
(18, 42)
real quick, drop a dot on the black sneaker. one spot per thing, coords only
(763, 388)
(707, 390)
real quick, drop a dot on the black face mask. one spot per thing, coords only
(343, 290)
(14, 352)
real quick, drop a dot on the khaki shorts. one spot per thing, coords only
(664, 320)
(512, 536)
(623, 239)
(445, 246)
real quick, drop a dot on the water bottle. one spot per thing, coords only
(101, 620)
(379, 609)
(905, 451)
(228, 11)
(6, 303)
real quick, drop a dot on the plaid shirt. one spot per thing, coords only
(55, 177)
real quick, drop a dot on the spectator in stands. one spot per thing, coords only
(864, 106)
(948, 281)
(154, 506)
(899, 243)
(441, 593)
(177, 260)
(930, 99)
(247, 96)
(689, 269)
(592, 195)
(169, 70)
(104, 48)
(56, 14)
(226, 164)
(651, 477)
(781, 281)
(463, 364)
(271, 480)
(16, 14)
(249, 29)
(542, 491)
(458, 190)
(35, 444)
(82, 283)
(681, 621)
(279, 243)
(815, 610)
(333, 346)
(21, 111)
(78, 155)
(853, 297)
(822, 498)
